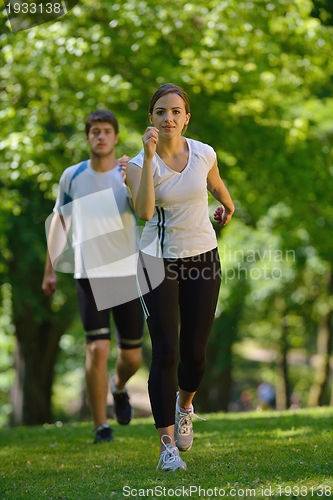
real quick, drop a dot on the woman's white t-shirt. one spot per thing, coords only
(180, 223)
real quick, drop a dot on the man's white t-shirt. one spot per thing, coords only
(103, 225)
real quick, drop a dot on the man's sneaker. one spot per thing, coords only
(122, 408)
(169, 458)
(103, 433)
(184, 427)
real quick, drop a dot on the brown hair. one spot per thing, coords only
(102, 116)
(169, 88)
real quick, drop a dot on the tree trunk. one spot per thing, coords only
(324, 340)
(35, 358)
(282, 382)
(16, 391)
(38, 327)
(331, 365)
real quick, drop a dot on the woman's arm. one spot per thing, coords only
(140, 180)
(142, 194)
(216, 186)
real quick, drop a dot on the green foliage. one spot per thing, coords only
(252, 451)
(268, 287)
(259, 79)
(323, 10)
(258, 76)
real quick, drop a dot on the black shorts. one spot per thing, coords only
(128, 318)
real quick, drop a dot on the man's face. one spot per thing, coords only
(102, 139)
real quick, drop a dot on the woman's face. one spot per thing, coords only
(169, 115)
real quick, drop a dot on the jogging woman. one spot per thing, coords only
(169, 179)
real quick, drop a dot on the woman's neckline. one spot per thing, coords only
(187, 163)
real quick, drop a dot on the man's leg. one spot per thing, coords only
(128, 320)
(128, 362)
(97, 377)
(96, 325)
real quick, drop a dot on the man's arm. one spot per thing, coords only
(49, 283)
(56, 243)
(122, 162)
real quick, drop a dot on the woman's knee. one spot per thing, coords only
(166, 356)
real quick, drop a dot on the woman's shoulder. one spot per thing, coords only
(199, 146)
(138, 159)
(203, 150)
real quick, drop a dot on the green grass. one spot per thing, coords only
(240, 455)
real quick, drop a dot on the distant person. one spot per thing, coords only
(169, 179)
(245, 400)
(295, 401)
(87, 189)
(266, 395)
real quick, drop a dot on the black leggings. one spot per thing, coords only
(193, 285)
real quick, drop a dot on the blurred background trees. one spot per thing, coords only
(259, 78)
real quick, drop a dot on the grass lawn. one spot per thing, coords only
(239, 455)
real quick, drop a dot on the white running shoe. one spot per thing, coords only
(184, 427)
(169, 458)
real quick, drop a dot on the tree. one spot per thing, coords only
(323, 10)
(259, 77)
(38, 325)
(324, 346)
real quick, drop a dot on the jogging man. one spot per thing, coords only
(93, 212)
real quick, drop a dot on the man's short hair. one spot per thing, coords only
(102, 116)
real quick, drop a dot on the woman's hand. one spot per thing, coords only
(222, 215)
(150, 139)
